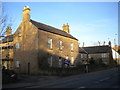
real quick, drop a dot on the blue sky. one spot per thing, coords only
(89, 22)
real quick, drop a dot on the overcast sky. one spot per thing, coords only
(89, 22)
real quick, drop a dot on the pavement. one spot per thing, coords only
(25, 81)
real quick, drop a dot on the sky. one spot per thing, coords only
(89, 22)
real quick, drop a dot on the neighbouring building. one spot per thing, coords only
(39, 45)
(116, 48)
(100, 54)
(116, 56)
(7, 49)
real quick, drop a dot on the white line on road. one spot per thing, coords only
(80, 87)
(102, 80)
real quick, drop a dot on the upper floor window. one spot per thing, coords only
(49, 43)
(89, 56)
(17, 45)
(60, 45)
(19, 32)
(82, 56)
(104, 55)
(72, 46)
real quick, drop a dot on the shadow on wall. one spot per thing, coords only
(47, 60)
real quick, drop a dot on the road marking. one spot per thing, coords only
(104, 79)
(82, 87)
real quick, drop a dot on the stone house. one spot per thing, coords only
(6, 54)
(37, 44)
(97, 53)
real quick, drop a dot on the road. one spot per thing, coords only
(100, 79)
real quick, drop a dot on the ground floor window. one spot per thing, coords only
(12, 64)
(50, 60)
(67, 57)
(60, 62)
(17, 64)
(5, 64)
(72, 60)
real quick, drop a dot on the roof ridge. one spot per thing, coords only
(45, 24)
(51, 29)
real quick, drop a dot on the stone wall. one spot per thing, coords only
(55, 51)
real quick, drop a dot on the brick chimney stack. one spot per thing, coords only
(26, 14)
(66, 28)
(8, 31)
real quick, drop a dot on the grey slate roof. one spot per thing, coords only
(95, 49)
(51, 29)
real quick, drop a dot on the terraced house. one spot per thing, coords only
(7, 50)
(100, 54)
(38, 44)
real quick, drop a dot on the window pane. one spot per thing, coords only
(17, 64)
(60, 45)
(17, 45)
(60, 62)
(72, 60)
(20, 33)
(49, 43)
(72, 46)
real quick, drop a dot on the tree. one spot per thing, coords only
(5, 21)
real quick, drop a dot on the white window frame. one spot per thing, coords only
(67, 57)
(60, 45)
(60, 62)
(17, 64)
(17, 45)
(89, 56)
(82, 56)
(72, 60)
(104, 55)
(20, 32)
(50, 43)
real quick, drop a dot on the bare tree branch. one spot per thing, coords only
(5, 20)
